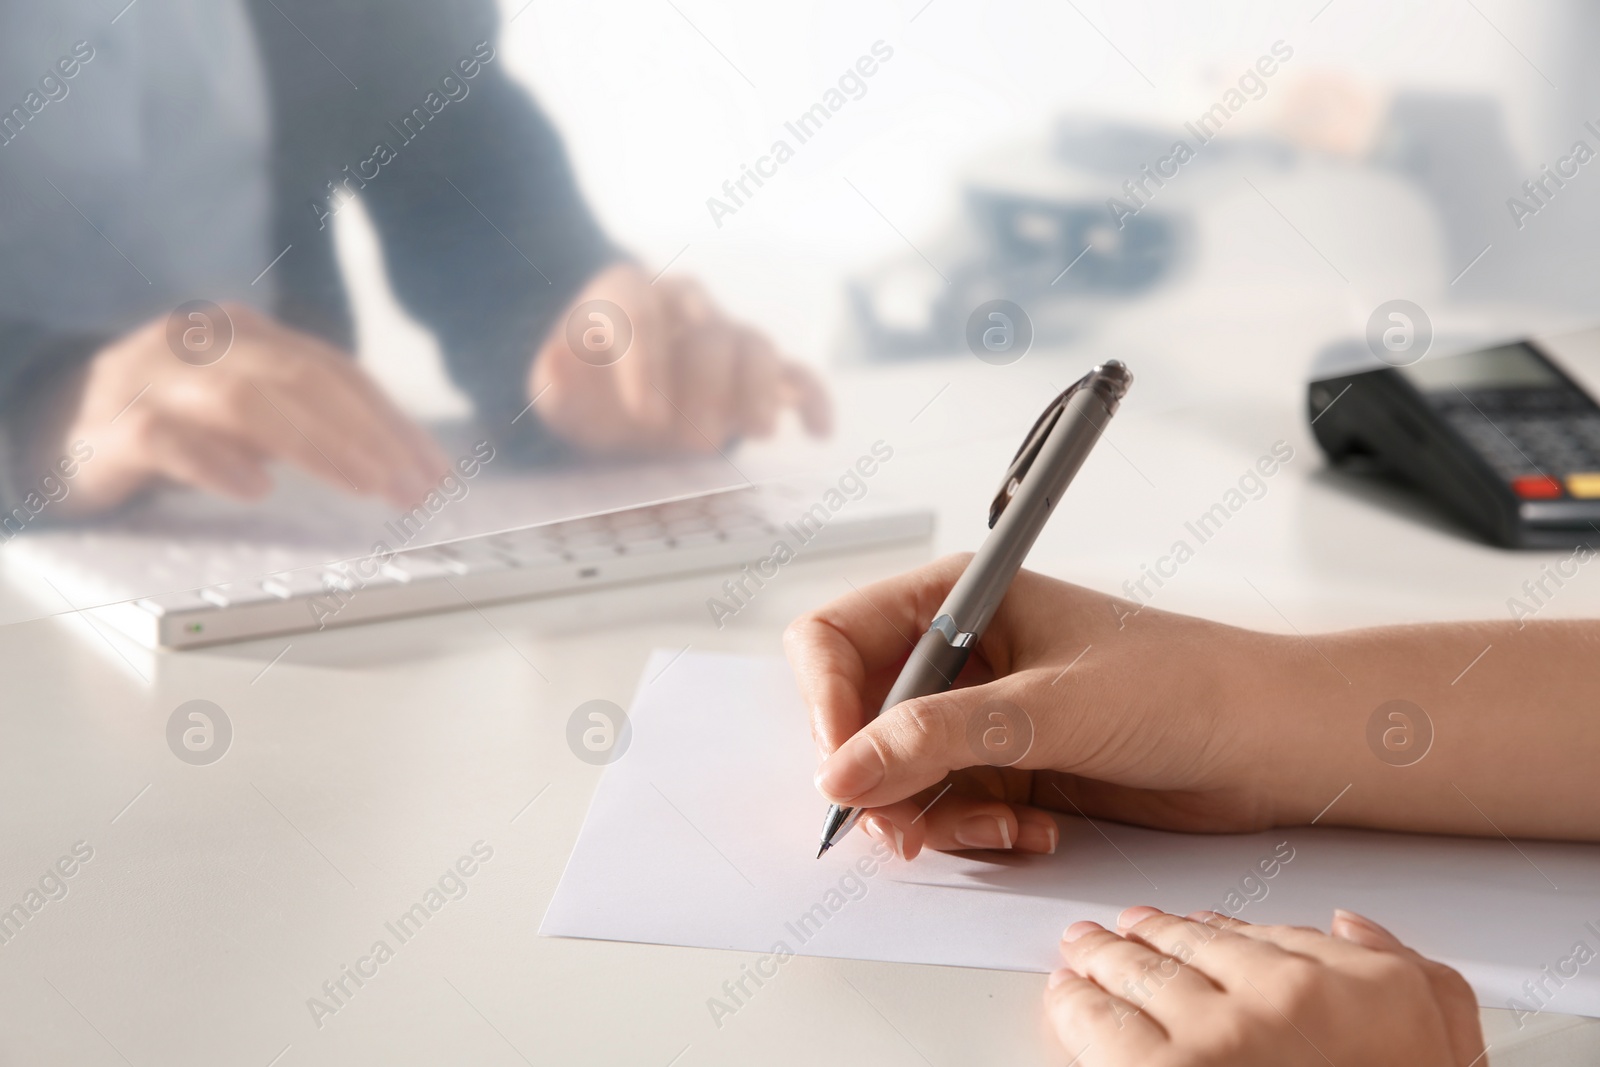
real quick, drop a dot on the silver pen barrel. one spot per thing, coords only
(1031, 497)
(976, 595)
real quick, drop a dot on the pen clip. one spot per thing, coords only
(1111, 379)
(1028, 453)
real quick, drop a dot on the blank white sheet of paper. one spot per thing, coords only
(704, 833)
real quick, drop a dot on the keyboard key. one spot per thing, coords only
(168, 603)
(294, 583)
(644, 546)
(233, 594)
(416, 566)
(698, 538)
(334, 579)
(590, 552)
(1536, 487)
(627, 521)
(1584, 486)
(584, 529)
(472, 557)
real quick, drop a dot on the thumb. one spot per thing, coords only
(916, 743)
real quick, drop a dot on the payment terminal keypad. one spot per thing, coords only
(1544, 442)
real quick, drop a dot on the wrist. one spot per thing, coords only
(1280, 694)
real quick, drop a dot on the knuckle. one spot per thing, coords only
(1174, 936)
(1085, 1002)
(1089, 947)
(240, 314)
(1158, 924)
(142, 425)
(1404, 977)
(887, 755)
(1105, 952)
(920, 727)
(234, 398)
(1450, 983)
(303, 374)
(1297, 984)
(1228, 1035)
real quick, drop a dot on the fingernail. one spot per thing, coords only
(1133, 916)
(1362, 930)
(1359, 920)
(1036, 837)
(1057, 977)
(984, 831)
(887, 832)
(1078, 929)
(849, 772)
(907, 854)
(1352, 917)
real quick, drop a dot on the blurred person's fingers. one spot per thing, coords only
(638, 377)
(276, 394)
(346, 433)
(303, 426)
(414, 445)
(809, 396)
(360, 418)
(691, 380)
(700, 367)
(420, 447)
(195, 456)
(323, 396)
(707, 371)
(759, 384)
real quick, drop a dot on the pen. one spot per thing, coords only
(1040, 472)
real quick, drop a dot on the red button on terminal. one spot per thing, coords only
(1536, 487)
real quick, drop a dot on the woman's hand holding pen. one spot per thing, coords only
(1163, 720)
(1151, 718)
(1179, 750)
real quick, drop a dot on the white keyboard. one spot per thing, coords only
(716, 531)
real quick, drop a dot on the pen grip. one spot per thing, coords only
(932, 669)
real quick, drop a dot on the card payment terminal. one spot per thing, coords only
(1501, 437)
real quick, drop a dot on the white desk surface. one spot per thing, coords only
(365, 761)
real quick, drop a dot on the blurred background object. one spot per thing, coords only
(947, 159)
(1033, 229)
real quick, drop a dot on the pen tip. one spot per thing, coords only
(821, 850)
